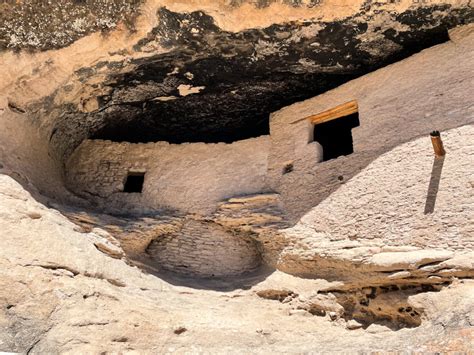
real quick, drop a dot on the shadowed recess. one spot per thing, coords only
(236, 80)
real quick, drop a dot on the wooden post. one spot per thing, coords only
(437, 144)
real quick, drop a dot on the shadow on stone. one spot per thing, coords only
(243, 281)
(433, 187)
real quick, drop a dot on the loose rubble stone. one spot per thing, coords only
(353, 324)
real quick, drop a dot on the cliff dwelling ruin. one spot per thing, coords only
(236, 176)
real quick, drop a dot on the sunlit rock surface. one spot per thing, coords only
(255, 246)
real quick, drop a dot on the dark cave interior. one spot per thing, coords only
(229, 108)
(239, 83)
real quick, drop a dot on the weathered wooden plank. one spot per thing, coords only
(336, 112)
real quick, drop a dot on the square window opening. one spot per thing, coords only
(134, 182)
(335, 136)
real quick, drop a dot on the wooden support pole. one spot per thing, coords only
(437, 144)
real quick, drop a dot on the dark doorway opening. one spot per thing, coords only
(335, 136)
(134, 182)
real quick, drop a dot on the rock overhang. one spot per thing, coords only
(189, 79)
(365, 289)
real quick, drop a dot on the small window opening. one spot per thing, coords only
(335, 136)
(134, 182)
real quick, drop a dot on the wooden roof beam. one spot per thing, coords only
(336, 112)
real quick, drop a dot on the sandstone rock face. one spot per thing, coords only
(245, 237)
(73, 289)
(71, 297)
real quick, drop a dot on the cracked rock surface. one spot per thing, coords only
(363, 269)
(58, 299)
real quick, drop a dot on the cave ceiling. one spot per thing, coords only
(196, 82)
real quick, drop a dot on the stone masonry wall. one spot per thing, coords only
(205, 249)
(406, 100)
(406, 197)
(397, 104)
(191, 177)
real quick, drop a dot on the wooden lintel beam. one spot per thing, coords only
(339, 111)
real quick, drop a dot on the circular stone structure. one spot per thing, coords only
(207, 250)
